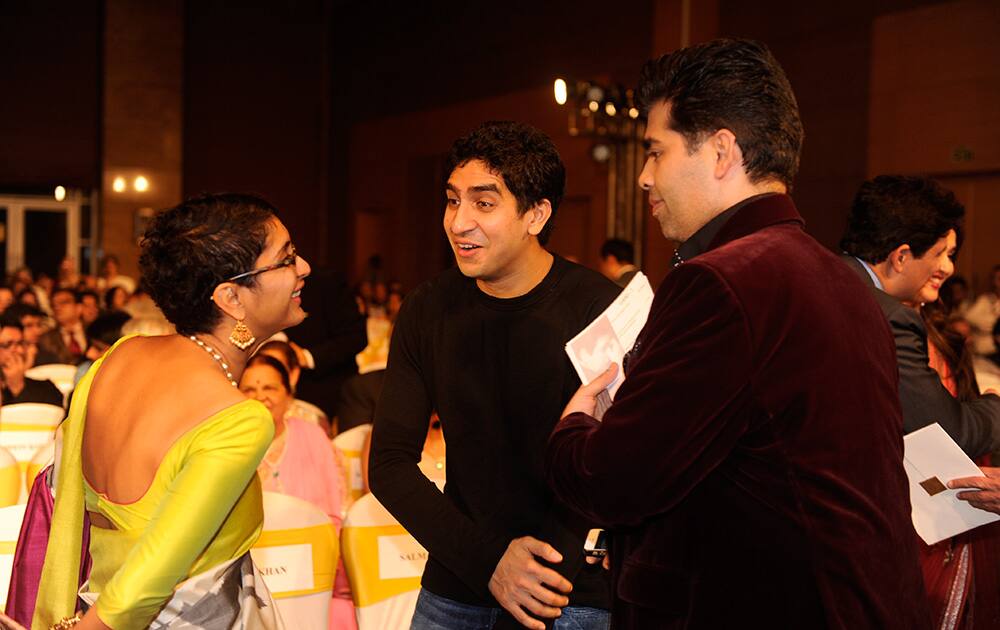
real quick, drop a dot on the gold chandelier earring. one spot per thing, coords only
(241, 337)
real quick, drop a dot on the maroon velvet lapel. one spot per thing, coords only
(757, 215)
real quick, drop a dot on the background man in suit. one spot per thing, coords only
(67, 341)
(750, 467)
(618, 261)
(327, 340)
(900, 240)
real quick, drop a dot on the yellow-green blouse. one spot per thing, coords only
(202, 508)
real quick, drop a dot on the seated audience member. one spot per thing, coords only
(983, 314)
(301, 409)
(115, 299)
(67, 340)
(6, 298)
(87, 283)
(32, 320)
(90, 307)
(27, 296)
(18, 388)
(300, 462)
(102, 333)
(900, 238)
(21, 279)
(68, 275)
(111, 275)
(618, 261)
(955, 296)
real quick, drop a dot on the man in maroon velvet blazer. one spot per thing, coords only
(750, 468)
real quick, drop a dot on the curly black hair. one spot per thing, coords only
(523, 156)
(191, 248)
(733, 84)
(893, 210)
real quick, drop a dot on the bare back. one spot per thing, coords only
(148, 393)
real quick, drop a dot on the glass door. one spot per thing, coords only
(39, 232)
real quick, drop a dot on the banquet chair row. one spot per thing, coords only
(27, 434)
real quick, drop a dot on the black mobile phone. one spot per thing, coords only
(596, 544)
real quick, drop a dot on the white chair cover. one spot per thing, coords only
(10, 528)
(62, 374)
(25, 428)
(349, 444)
(384, 564)
(297, 555)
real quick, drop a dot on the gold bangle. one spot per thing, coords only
(67, 622)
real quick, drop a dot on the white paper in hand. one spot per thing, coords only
(932, 459)
(612, 333)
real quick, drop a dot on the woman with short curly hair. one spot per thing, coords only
(160, 446)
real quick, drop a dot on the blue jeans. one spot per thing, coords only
(439, 613)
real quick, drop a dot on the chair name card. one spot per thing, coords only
(400, 557)
(285, 568)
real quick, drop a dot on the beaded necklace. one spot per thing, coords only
(212, 352)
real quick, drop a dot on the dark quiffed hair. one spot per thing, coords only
(20, 311)
(191, 248)
(622, 250)
(523, 156)
(10, 320)
(893, 210)
(733, 84)
(276, 365)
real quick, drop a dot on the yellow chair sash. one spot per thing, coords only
(325, 553)
(10, 485)
(361, 559)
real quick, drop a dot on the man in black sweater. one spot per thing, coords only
(483, 345)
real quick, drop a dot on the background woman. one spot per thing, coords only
(283, 352)
(165, 466)
(300, 463)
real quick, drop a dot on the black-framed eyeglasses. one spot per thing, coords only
(7, 345)
(289, 261)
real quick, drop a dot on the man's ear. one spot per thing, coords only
(538, 215)
(899, 257)
(728, 154)
(226, 297)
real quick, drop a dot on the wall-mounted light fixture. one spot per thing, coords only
(128, 183)
(610, 115)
